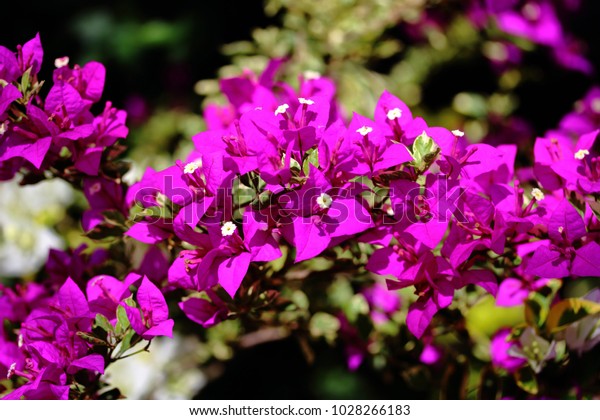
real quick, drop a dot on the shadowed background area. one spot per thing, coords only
(156, 54)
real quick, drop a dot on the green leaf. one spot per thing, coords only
(561, 351)
(122, 321)
(534, 313)
(156, 211)
(113, 225)
(300, 299)
(306, 167)
(340, 292)
(263, 199)
(537, 306)
(424, 152)
(25, 81)
(91, 339)
(312, 158)
(114, 218)
(324, 325)
(65, 152)
(526, 380)
(130, 302)
(126, 343)
(595, 206)
(569, 311)
(484, 318)
(102, 322)
(356, 306)
(294, 164)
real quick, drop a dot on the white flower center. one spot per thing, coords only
(324, 201)
(228, 229)
(364, 130)
(537, 194)
(191, 167)
(305, 101)
(458, 133)
(581, 154)
(311, 75)
(61, 62)
(281, 109)
(392, 114)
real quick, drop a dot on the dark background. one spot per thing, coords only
(156, 53)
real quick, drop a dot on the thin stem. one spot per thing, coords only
(146, 347)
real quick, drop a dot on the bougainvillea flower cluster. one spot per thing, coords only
(281, 174)
(431, 204)
(48, 339)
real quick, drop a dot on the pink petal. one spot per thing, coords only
(232, 271)
(147, 233)
(93, 362)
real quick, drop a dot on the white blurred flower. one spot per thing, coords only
(26, 216)
(168, 371)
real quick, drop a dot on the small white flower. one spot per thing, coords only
(537, 194)
(281, 109)
(324, 201)
(392, 114)
(311, 75)
(2, 129)
(561, 229)
(20, 341)
(304, 101)
(364, 130)
(458, 133)
(228, 229)
(191, 167)
(11, 371)
(581, 154)
(61, 62)
(390, 211)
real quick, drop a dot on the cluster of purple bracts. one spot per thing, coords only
(47, 346)
(279, 168)
(440, 213)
